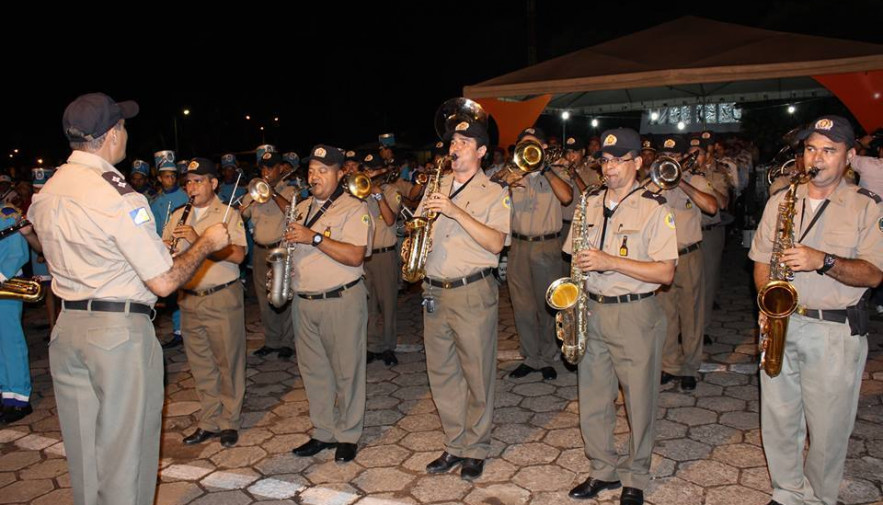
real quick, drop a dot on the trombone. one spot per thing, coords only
(529, 156)
(665, 173)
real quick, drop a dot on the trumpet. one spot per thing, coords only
(260, 191)
(665, 173)
(529, 157)
(358, 184)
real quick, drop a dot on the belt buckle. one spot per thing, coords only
(801, 310)
(447, 285)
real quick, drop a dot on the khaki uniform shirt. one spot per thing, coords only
(346, 220)
(267, 218)
(384, 236)
(98, 234)
(455, 254)
(851, 226)
(210, 273)
(642, 228)
(716, 180)
(535, 208)
(686, 212)
(590, 177)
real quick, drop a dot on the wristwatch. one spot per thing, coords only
(377, 196)
(828, 264)
(317, 239)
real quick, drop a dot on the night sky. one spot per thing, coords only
(330, 75)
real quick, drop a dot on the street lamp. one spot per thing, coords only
(791, 109)
(564, 117)
(594, 123)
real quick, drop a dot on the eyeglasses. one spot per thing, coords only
(616, 161)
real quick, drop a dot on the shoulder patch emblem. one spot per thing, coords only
(670, 220)
(139, 216)
(507, 202)
(118, 183)
(689, 204)
(398, 198)
(9, 211)
(366, 220)
(870, 194)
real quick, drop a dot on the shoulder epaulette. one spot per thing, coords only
(595, 190)
(870, 194)
(118, 182)
(656, 197)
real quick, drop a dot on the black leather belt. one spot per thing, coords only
(107, 306)
(334, 293)
(208, 291)
(631, 297)
(707, 227)
(268, 246)
(536, 238)
(835, 316)
(460, 282)
(690, 248)
(567, 221)
(383, 249)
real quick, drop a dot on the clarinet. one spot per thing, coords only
(184, 215)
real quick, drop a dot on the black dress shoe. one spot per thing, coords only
(443, 463)
(521, 371)
(199, 436)
(229, 438)
(12, 414)
(706, 340)
(549, 373)
(389, 358)
(667, 377)
(175, 341)
(370, 356)
(471, 469)
(286, 352)
(345, 452)
(591, 487)
(570, 367)
(773, 502)
(312, 447)
(631, 496)
(688, 383)
(265, 351)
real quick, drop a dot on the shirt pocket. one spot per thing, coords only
(108, 338)
(840, 242)
(625, 243)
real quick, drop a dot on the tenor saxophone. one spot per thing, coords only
(417, 244)
(777, 299)
(568, 296)
(279, 290)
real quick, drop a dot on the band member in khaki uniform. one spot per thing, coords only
(713, 235)
(268, 220)
(579, 174)
(683, 300)
(382, 270)
(108, 266)
(535, 262)
(212, 309)
(838, 254)
(460, 301)
(632, 250)
(332, 233)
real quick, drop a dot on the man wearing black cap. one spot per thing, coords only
(631, 250)
(332, 236)
(268, 220)
(108, 266)
(683, 300)
(838, 254)
(581, 174)
(461, 300)
(535, 262)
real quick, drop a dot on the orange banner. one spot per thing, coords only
(861, 92)
(512, 117)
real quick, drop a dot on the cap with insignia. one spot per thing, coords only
(673, 144)
(533, 131)
(386, 140)
(351, 155)
(182, 166)
(140, 167)
(471, 129)
(647, 145)
(40, 175)
(573, 144)
(228, 160)
(270, 159)
(372, 161)
(619, 142)
(202, 166)
(164, 160)
(326, 155)
(292, 158)
(261, 149)
(836, 128)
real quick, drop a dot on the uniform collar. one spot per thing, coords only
(92, 161)
(837, 197)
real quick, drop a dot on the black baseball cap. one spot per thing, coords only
(533, 131)
(270, 159)
(202, 166)
(836, 128)
(471, 129)
(327, 155)
(574, 144)
(372, 161)
(619, 142)
(647, 145)
(92, 115)
(673, 144)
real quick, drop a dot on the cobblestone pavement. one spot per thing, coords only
(707, 452)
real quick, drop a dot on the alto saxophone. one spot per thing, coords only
(568, 296)
(777, 299)
(417, 244)
(279, 290)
